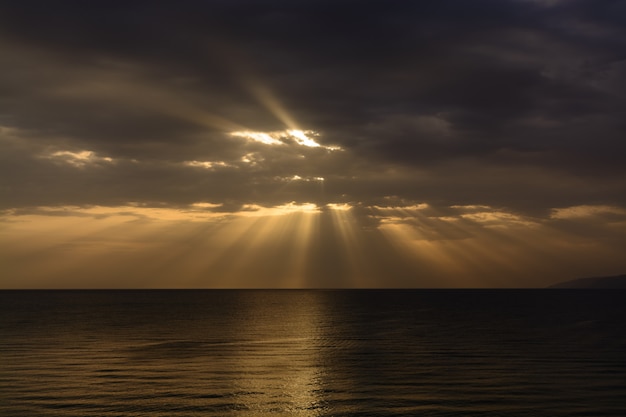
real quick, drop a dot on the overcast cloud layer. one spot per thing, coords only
(515, 106)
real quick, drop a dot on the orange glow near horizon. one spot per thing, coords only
(287, 246)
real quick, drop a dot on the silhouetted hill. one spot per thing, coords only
(616, 282)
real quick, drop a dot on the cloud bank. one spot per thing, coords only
(489, 113)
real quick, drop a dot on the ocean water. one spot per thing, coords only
(313, 353)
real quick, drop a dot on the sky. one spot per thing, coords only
(312, 143)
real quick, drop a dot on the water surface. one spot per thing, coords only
(313, 353)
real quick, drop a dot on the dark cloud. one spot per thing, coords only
(516, 104)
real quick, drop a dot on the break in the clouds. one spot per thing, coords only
(446, 136)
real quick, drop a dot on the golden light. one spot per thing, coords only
(287, 351)
(141, 94)
(302, 138)
(268, 100)
(284, 137)
(577, 212)
(265, 138)
(212, 165)
(78, 159)
(292, 245)
(347, 231)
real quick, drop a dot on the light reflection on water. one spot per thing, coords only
(312, 353)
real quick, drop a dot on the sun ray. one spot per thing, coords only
(288, 245)
(268, 100)
(147, 96)
(302, 241)
(345, 227)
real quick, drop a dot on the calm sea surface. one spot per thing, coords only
(313, 353)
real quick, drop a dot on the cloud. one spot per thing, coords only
(381, 106)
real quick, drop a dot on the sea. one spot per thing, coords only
(309, 353)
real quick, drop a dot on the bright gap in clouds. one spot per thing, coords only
(302, 138)
(266, 138)
(283, 137)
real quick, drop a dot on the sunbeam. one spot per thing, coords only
(288, 246)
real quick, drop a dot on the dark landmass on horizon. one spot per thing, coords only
(614, 282)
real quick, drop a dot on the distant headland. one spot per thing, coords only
(614, 282)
